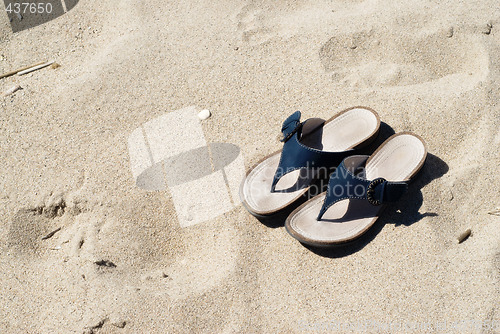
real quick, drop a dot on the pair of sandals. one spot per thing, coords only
(358, 186)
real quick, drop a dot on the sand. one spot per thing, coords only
(122, 263)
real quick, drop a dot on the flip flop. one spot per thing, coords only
(357, 192)
(310, 149)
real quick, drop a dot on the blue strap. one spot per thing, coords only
(346, 183)
(296, 155)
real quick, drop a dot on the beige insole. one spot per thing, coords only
(398, 159)
(341, 133)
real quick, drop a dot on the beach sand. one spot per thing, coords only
(121, 262)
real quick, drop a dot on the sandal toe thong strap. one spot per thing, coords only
(296, 155)
(346, 183)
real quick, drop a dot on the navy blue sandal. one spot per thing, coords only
(310, 148)
(357, 192)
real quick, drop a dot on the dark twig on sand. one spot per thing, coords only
(8, 74)
(105, 263)
(51, 234)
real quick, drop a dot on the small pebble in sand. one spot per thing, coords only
(464, 235)
(54, 66)
(11, 90)
(449, 32)
(487, 28)
(119, 324)
(204, 114)
(117, 320)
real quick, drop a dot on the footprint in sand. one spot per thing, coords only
(251, 25)
(30, 226)
(261, 21)
(375, 59)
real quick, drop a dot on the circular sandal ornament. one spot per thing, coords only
(370, 192)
